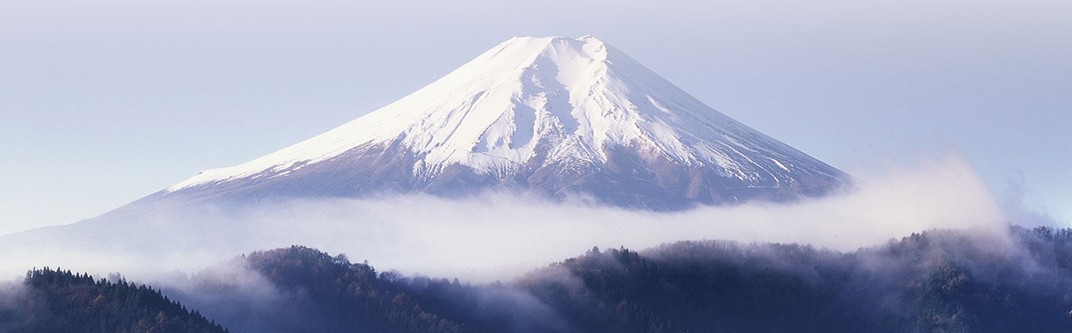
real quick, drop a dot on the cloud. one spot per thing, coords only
(498, 237)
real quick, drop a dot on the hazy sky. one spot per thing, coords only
(103, 102)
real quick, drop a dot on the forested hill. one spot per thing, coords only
(938, 281)
(59, 301)
(942, 281)
(929, 282)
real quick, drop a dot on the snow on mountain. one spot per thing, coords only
(554, 115)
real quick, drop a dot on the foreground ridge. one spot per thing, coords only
(936, 281)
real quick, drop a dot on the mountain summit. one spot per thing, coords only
(554, 116)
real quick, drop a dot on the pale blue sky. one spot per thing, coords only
(104, 102)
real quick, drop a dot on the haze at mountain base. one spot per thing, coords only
(497, 236)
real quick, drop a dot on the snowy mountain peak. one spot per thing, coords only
(531, 105)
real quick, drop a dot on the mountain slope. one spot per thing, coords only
(555, 116)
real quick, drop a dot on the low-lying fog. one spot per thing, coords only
(498, 237)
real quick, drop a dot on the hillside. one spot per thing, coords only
(58, 301)
(940, 281)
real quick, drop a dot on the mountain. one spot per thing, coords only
(553, 116)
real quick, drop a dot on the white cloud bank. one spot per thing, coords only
(497, 237)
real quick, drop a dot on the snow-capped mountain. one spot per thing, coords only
(554, 116)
